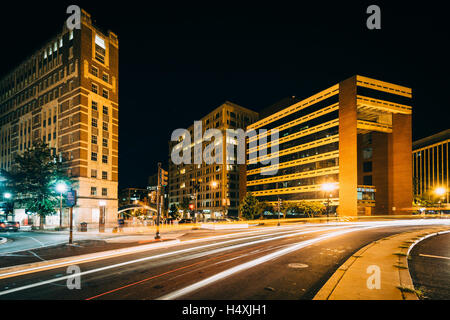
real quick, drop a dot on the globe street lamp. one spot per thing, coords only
(328, 188)
(7, 195)
(440, 192)
(60, 187)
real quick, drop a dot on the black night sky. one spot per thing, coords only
(178, 62)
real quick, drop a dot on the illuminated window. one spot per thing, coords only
(100, 49)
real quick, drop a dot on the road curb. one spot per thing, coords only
(390, 255)
(14, 271)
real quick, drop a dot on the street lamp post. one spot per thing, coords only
(60, 187)
(328, 188)
(440, 192)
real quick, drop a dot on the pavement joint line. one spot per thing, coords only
(405, 285)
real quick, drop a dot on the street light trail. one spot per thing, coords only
(191, 288)
(160, 256)
(250, 264)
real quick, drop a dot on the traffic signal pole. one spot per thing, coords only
(162, 182)
(158, 204)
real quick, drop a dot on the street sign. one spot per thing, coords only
(71, 198)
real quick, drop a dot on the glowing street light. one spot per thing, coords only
(61, 188)
(7, 195)
(328, 187)
(440, 192)
(214, 184)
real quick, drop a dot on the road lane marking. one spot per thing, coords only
(432, 256)
(153, 258)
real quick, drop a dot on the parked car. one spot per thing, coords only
(9, 226)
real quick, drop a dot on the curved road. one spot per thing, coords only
(288, 262)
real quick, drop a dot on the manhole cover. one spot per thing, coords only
(297, 265)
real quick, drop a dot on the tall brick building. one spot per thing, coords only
(66, 94)
(355, 135)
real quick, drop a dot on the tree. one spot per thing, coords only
(249, 206)
(184, 205)
(263, 207)
(310, 208)
(174, 211)
(33, 179)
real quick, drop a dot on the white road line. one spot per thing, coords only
(156, 257)
(432, 256)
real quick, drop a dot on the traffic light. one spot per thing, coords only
(164, 177)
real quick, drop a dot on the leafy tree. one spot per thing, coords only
(185, 204)
(310, 208)
(174, 212)
(263, 207)
(249, 206)
(33, 179)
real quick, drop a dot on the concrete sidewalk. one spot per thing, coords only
(357, 278)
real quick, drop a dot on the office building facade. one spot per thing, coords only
(355, 136)
(430, 166)
(218, 184)
(66, 94)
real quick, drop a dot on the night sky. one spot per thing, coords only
(179, 62)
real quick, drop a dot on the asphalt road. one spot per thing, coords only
(430, 267)
(290, 262)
